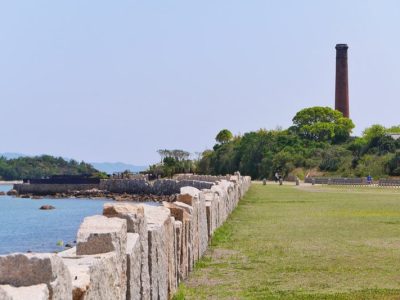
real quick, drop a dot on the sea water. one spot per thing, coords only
(24, 227)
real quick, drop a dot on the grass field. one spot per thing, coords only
(286, 242)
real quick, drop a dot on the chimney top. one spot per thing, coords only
(341, 46)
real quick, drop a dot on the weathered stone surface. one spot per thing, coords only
(137, 223)
(222, 203)
(231, 198)
(96, 277)
(212, 206)
(161, 252)
(172, 260)
(34, 292)
(133, 256)
(207, 178)
(189, 200)
(157, 187)
(193, 197)
(188, 250)
(130, 212)
(182, 213)
(188, 190)
(202, 223)
(99, 234)
(136, 186)
(36, 268)
(178, 226)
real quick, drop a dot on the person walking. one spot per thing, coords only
(276, 176)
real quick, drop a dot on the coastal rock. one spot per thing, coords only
(47, 207)
(136, 223)
(22, 270)
(34, 292)
(12, 193)
(2, 193)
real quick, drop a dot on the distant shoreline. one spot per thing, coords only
(2, 182)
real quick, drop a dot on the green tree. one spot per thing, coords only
(393, 165)
(224, 136)
(173, 162)
(394, 129)
(375, 131)
(333, 157)
(322, 124)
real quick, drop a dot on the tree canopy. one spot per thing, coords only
(172, 162)
(224, 136)
(322, 124)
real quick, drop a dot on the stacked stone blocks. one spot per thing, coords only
(131, 251)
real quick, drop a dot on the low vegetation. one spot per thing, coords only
(287, 242)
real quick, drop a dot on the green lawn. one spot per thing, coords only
(285, 242)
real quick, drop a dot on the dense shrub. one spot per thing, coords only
(393, 165)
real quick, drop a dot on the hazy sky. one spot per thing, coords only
(117, 80)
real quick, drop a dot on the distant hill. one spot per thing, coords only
(110, 168)
(41, 167)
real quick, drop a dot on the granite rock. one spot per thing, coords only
(100, 235)
(33, 292)
(161, 252)
(30, 269)
(137, 223)
(133, 257)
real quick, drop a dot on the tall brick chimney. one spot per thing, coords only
(342, 80)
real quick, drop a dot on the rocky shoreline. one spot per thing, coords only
(99, 194)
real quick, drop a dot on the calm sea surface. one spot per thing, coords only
(23, 226)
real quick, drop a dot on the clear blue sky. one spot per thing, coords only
(117, 80)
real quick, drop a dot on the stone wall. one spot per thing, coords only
(209, 178)
(130, 252)
(130, 186)
(157, 187)
(52, 189)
